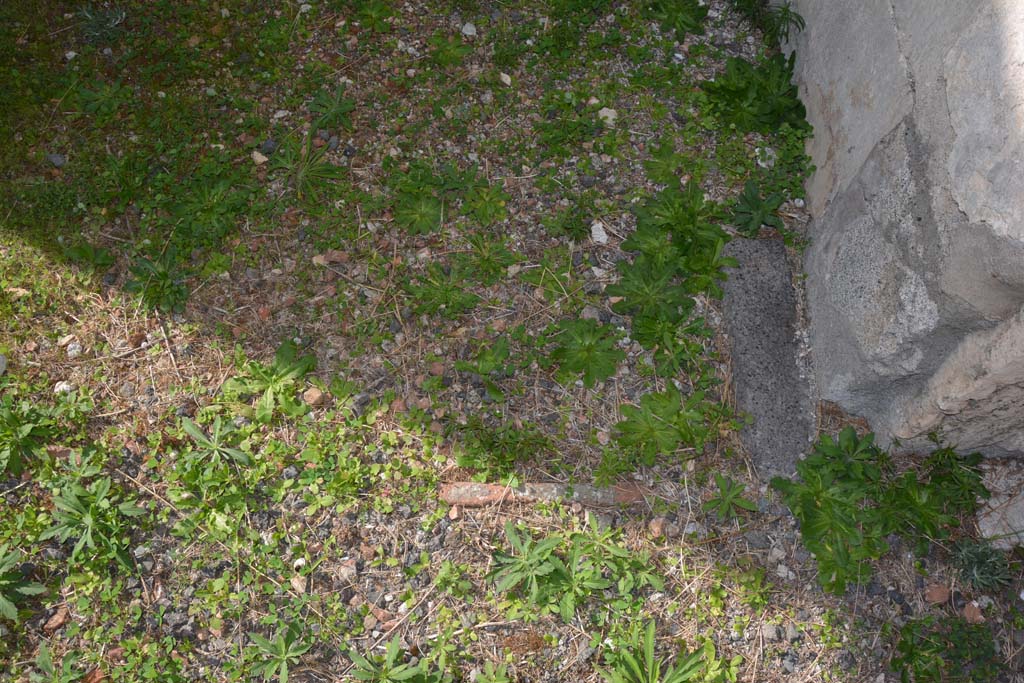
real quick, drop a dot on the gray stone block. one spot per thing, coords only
(915, 274)
(760, 318)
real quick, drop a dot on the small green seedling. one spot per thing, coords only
(281, 653)
(490, 361)
(275, 384)
(161, 283)
(584, 346)
(751, 211)
(730, 500)
(384, 669)
(215, 446)
(639, 664)
(332, 109)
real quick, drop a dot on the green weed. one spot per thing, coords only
(97, 258)
(281, 653)
(95, 515)
(491, 362)
(160, 283)
(14, 585)
(758, 97)
(441, 289)
(275, 384)
(488, 260)
(495, 450)
(448, 51)
(558, 573)
(665, 163)
(981, 565)
(637, 662)
(375, 15)
(680, 16)
(848, 500)
(486, 204)
(101, 25)
(930, 650)
(729, 501)
(587, 347)
(777, 20)
(392, 667)
(48, 672)
(306, 168)
(332, 109)
(25, 430)
(752, 211)
(662, 424)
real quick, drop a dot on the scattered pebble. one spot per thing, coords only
(313, 397)
(608, 115)
(63, 387)
(937, 594)
(469, 30)
(695, 529)
(3, 364)
(505, 79)
(597, 233)
(657, 527)
(347, 571)
(972, 613)
(74, 350)
(258, 158)
(770, 632)
(757, 539)
(57, 160)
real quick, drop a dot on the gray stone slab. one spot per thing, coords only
(760, 319)
(915, 269)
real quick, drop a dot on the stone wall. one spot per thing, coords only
(915, 273)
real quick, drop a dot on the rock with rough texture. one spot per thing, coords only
(1001, 517)
(915, 274)
(760, 318)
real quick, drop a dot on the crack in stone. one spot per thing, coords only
(903, 57)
